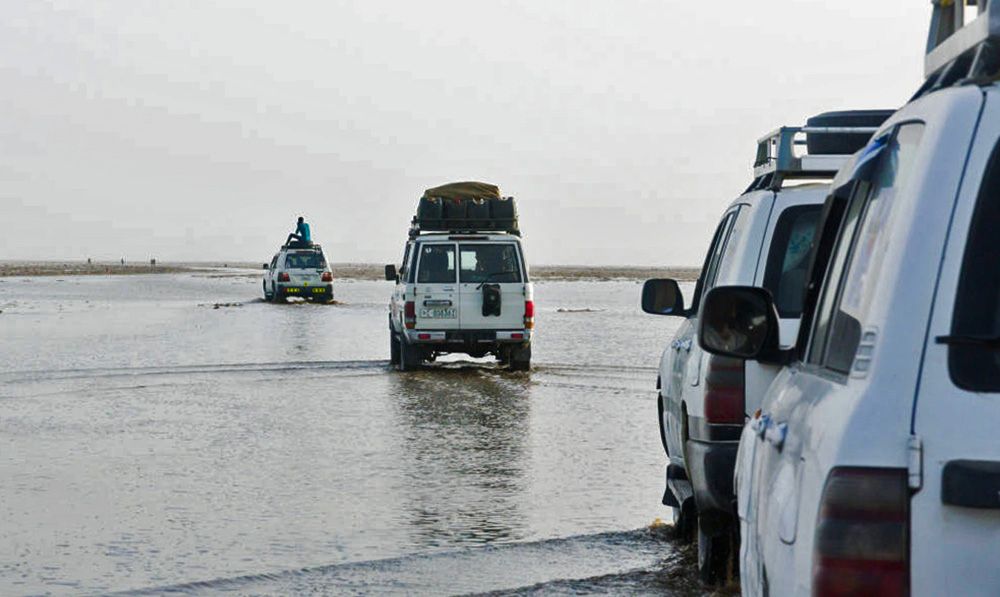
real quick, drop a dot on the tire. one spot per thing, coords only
(409, 356)
(267, 297)
(714, 556)
(843, 143)
(520, 358)
(393, 349)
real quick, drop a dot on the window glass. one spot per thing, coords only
(404, 269)
(864, 264)
(976, 367)
(437, 264)
(788, 257)
(305, 260)
(821, 327)
(717, 249)
(489, 263)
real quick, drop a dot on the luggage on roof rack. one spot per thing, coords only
(829, 140)
(465, 207)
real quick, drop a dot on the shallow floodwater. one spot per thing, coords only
(176, 433)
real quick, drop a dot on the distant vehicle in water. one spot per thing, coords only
(463, 285)
(298, 269)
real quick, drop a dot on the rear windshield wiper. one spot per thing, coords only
(491, 276)
(970, 340)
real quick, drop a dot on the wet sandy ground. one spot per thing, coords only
(174, 433)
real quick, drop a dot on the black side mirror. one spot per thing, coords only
(267, 266)
(662, 297)
(741, 322)
(390, 273)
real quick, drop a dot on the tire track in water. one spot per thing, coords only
(511, 567)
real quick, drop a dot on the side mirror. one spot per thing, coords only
(741, 322)
(662, 297)
(390, 273)
(267, 266)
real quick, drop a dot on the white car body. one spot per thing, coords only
(448, 312)
(301, 271)
(880, 393)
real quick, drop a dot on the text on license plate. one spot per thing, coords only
(438, 313)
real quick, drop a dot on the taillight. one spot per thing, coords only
(283, 277)
(327, 277)
(862, 541)
(725, 390)
(410, 315)
(529, 315)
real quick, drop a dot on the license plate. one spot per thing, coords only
(319, 290)
(438, 313)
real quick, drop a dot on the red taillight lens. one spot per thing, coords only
(725, 390)
(862, 542)
(423, 336)
(529, 314)
(327, 277)
(410, 315)
(283, 277)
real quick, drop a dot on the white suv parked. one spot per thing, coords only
(465, 289)
(873, 467)
(298, 269)
(764, 239)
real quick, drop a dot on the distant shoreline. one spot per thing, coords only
(344, 271)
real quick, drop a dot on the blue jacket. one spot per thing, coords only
(303, 231)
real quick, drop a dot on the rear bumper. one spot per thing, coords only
(306, 291)
(710, 467)
(468, 338)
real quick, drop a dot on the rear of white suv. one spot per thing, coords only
(462, 293)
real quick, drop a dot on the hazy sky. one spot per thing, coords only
(200, 129)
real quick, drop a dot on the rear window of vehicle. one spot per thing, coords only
(305, 260)
(788, 257)
(975, 364)
(437, 264)
(489, 263)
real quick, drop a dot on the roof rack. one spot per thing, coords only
(778, 161)
(960, 52)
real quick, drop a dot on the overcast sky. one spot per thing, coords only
(200, 129)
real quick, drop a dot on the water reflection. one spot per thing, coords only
(464, 435)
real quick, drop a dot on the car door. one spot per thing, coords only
(404, 277)
(435, 287)
(271, 274)
(498, 265)
(809, 403)
(685, 367)
(955, 516)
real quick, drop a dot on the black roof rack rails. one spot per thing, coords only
(960, 53)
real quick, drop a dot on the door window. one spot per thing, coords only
(711, 268)
(857, 262)
(788, 257)
(437, 264)
(973, 360)
(404, 268)
(489, 263)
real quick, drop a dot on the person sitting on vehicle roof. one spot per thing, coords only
(301, 233)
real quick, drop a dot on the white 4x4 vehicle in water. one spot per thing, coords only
(873, 467)
(463, 284)
(764, 239)
(298, 269)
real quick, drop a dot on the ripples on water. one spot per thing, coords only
(148, 439)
